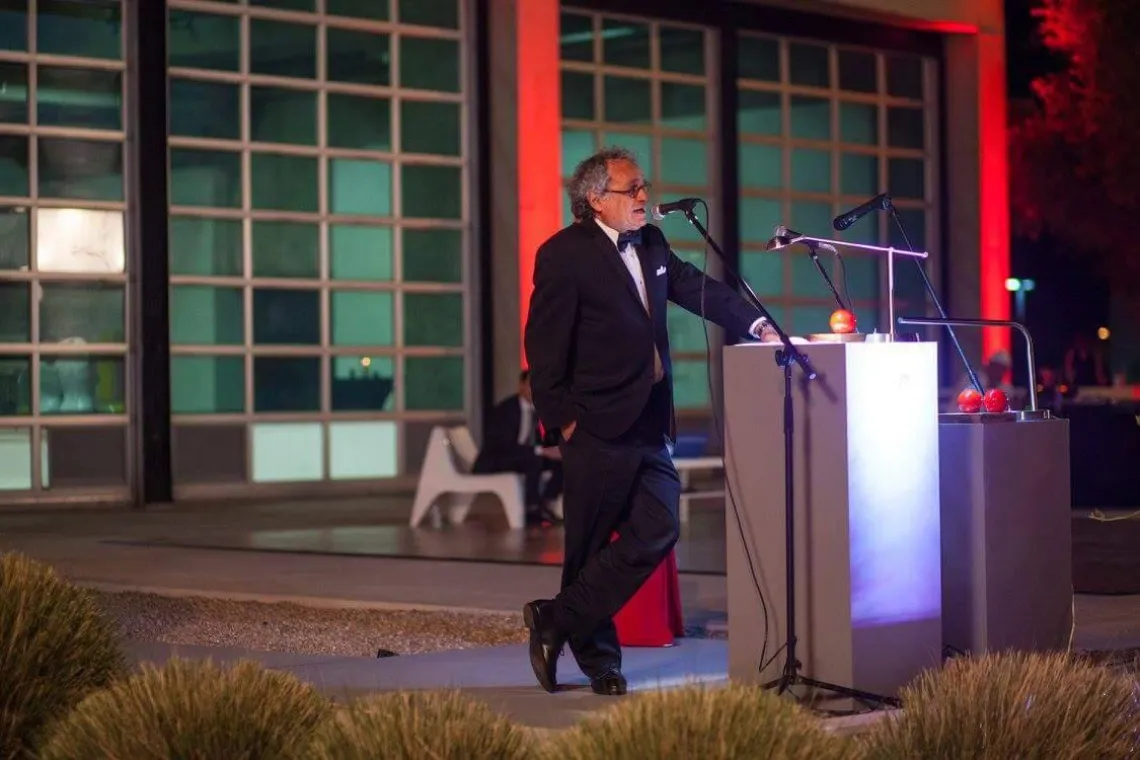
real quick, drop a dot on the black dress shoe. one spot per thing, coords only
(609, 684)
(546, 643)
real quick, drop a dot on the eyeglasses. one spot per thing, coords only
(634, 191)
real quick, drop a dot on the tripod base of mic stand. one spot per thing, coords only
(791, 677)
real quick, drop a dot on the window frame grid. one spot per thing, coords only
(34, 351)
(324, 218)
(836, 147)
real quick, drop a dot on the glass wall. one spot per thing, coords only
(63, 262)
(824, 128)
(645, 86)
(319, 233)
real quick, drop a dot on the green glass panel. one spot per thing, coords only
(14, 166)
(206, 316)
(280, 115)
(15, 313)
(811, 218)
(90, 29)
(282, 49)
(286, 384)
(857, 71)
(578, 95)
(362, 318)
(809, 320)
(13, 90)
(15, 389)
(862, 277)
(686, 331)
(684, 161)
(758, 58)
(576, 147)
(761, 165)
(690, 384)
(904, 77)
(81, 169)
(433, 319)
(362, 383)
(811, 118)
(205, 247)
(14, 235)
(433, 255)
(284, 183)
(286, 317)
(286, 249)
(625, 43)
(808, 65)
(435, 383)
(14, 25)
(759, 113)
(858, 174)
(205, 178)
(759, 218)
(360, 252)
(428, 127)
(440, 13)
(640, 145)
(358, 57)
(107, 378)
(205, 109)
(682, 106)
(627, 100)
(203, 40)
(374, 10)
(682, 50)
(811, 170)
(859, 123)
(286, 5)
(360, 187)
(91, 311)
(72, 97)
(906, 177)
(429, 64)
(359, 122)
(905, 128)
(432, 192)
(764, 271)
(207, 384)
(577, 37)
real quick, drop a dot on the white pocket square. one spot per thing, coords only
(661, 271)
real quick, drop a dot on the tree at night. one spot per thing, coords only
(1075, 154)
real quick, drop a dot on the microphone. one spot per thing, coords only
(784, 237)
(685, 204)
(880, 202)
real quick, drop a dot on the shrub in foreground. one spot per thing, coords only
(56, 646)
(193, 710)
(1004, 706)
(414, 725)
(709, 723)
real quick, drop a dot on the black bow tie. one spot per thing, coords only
(628, 238)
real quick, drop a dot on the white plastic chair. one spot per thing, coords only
(446, 474)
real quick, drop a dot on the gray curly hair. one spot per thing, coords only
(591, 176)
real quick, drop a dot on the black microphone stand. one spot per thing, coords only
(934, 297)
(785, 357)
(811, 246)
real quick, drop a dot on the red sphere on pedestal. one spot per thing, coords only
(996, 401)
(842, 322)
(970, 401)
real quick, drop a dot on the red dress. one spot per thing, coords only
(652, 618)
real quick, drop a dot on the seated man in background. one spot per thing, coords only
(512, 443)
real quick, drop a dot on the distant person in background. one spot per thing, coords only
(1084, 366)
(1049, 393)
(512, 443)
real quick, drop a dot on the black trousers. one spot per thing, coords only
(523, 460)
(629, 486)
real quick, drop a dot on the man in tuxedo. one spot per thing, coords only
(598, 348)
(512, 442)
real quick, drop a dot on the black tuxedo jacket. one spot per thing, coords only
(589, 341)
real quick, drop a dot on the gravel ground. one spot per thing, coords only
(304, 630)
(297, 629)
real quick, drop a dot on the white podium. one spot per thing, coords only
(866, 513)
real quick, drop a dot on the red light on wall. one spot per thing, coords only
(993, 195)
(539, 136)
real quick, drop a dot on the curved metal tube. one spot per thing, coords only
(989, 323)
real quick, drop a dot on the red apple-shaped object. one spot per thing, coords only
(995, 401)
(970, 401)
(842, 322)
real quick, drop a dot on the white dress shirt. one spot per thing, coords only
(633, 264)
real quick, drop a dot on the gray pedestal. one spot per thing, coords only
(1006, 521)
(868, 587)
